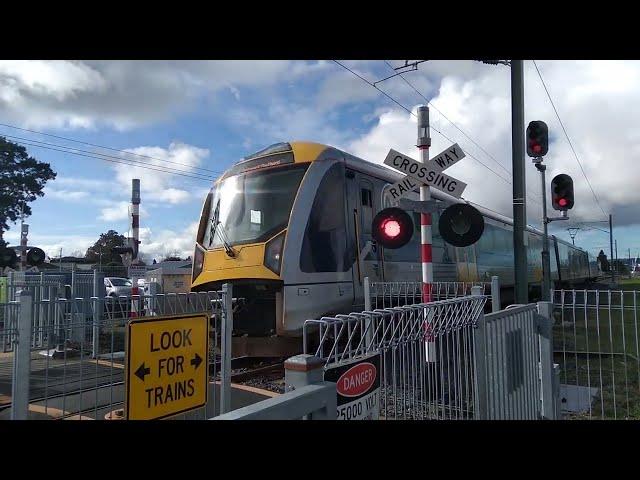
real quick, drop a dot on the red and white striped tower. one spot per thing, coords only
(135, 233)
(135, 216)
(424, 142)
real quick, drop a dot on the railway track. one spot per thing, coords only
(264, 373)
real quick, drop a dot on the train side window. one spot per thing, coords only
(324, 246)
(366, 198)
(365, 193)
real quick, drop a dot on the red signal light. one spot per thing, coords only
(391, 228)
(537, 148)
(563, 202)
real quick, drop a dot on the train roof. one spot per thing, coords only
(305, 152)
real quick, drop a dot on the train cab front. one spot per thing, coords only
(240, 240)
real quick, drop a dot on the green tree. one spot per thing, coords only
(103, 246)
(22, 179)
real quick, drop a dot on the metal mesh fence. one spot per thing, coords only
(395, 294)
(77, 358)
(595, 339)
(8, 337)
(509, 363)
(427, 369)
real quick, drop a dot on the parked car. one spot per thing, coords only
(117, 286)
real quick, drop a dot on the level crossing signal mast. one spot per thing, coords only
(562, 192)
(9, 258)
(460, 225)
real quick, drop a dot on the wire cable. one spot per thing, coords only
(128, 163)
(106, 148)
(567, 135)
(448, 120)
(433, 128)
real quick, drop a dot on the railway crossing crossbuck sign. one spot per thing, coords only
(166, 366)
(429, 173)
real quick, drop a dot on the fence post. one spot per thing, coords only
(367, 294)
(98, 306)
(22, 359)
(153, 292)
(495, 293)
(367, 308)
(73, 281)
(480, 367)
(302, 370)
(556, 391)
(545, 337)
(227, 330)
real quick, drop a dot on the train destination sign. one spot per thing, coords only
(166, 366)
(429, 173)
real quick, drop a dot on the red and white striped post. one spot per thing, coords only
(424, 142)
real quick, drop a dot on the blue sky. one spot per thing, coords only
(204, 116)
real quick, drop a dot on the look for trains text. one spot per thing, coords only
(169, 366)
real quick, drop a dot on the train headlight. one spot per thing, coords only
(273, 253)
(198, 261)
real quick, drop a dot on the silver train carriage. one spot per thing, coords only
(290, 228)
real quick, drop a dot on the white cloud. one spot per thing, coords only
(66, 195)
(160, 185)
(598, 115)
(51, 244)
(58, 78)
(158, 244)
(77, 182)
(126, 94)
(116, 211)
(119, 211)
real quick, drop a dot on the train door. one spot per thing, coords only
(467, 264)
(361, 208)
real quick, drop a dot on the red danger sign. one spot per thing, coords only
(357, 388)
(357, 380)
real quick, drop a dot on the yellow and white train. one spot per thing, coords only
(290, 228)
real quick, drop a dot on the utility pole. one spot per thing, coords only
(546, 261)
(613, 275)
(24, 232)
(519, 186)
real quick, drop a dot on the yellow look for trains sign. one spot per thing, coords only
(166, 366)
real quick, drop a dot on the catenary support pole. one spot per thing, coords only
(613, 275)
(519, 186)
(546, 262)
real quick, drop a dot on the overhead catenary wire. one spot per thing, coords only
(567, 136)
(408, 110)
(447, 118)
(113, 160)
(106, 148)
(433, 128)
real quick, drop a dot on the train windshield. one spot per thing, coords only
(251, 207)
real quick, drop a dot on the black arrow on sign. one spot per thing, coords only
(143, 372)
(196, 361)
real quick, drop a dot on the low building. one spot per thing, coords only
(171, 277)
